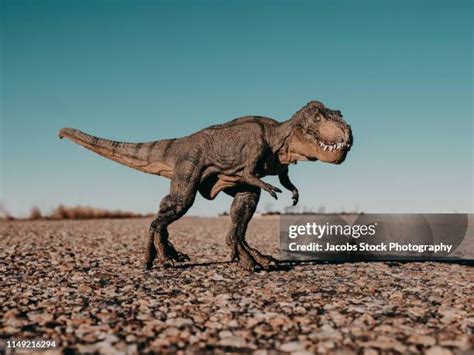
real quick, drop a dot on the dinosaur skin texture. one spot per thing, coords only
(231, 157)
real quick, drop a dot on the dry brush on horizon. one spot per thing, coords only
(63, 212)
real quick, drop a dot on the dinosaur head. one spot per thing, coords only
(320, 133)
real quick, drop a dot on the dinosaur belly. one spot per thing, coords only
(211, 187)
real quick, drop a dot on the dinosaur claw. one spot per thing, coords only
(234, 255)
(295, 197)
(256, 267)
(180, 257)
(148, 266)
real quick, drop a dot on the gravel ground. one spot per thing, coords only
(81, 283)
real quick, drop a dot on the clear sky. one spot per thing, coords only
(400, 71)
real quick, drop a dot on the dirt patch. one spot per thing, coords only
(82, 283)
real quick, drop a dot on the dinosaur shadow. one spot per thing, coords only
(283, 265)
(193, 265)
(288, 265)
(394, 261)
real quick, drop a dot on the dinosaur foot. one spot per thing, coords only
(171, 260)
(177, 256)
(268, 262)
(167, 256)
(247, 261)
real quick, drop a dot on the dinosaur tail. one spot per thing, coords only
(141, 156)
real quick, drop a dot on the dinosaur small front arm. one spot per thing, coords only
(250, 176)
(287, 184)
(255, 181)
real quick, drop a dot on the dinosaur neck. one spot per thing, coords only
(281, 143)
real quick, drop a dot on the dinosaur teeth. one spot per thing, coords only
(334, 146)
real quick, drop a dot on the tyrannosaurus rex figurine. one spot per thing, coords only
(231, 157)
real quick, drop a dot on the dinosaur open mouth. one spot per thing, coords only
(334, 146)
(328, 146)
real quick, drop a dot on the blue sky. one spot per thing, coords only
(400, 71)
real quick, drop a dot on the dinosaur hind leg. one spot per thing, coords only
(158, 245)
(173, 206)
(242, 209)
